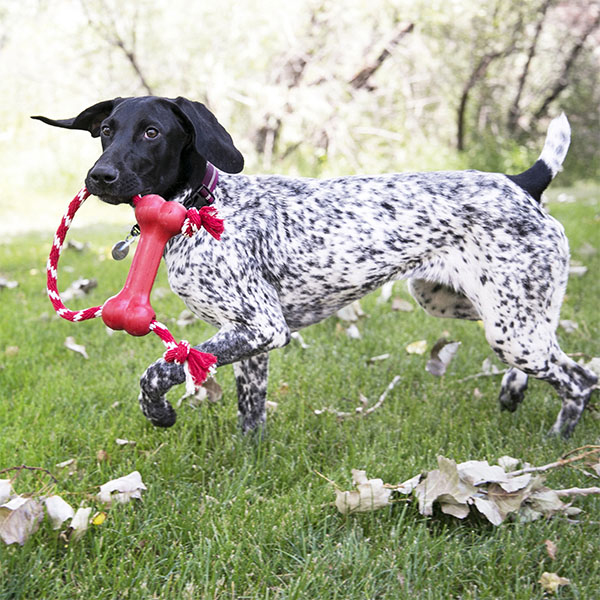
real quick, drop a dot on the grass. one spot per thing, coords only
(228, 517)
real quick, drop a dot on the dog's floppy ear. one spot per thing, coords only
(211, 140)
(88, 120)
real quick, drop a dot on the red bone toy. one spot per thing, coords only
(130, 309)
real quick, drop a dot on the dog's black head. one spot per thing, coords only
(152, 145)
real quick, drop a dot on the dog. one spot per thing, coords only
(473, 245)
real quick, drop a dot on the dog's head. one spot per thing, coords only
(152, 145)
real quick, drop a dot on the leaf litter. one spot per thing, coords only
(22, 514)
(475, 487)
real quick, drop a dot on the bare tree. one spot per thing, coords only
(108, 30)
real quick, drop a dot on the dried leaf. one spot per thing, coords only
(123, 442)
(418, 347)
(19, 518)
(441, 355)
(9, 285)
(214, 393)
(122, 489)
(186, 317)
(6, 490)
(508, 463)
(370, 494)
(11, 350)
(551, 582)
(577, 270)
(386, 292)
(489, 368)
(443, 485)
(568, 326)
(409, 485)
(78, 289)
(402, 305)
(476, 472)
(489, 510)
(101, 455)
(379, 358)
(77, 246)
(298, 338)
(351, 313)
(551, 549)
(80, 523)
(353, 333)
(71, 344)
(65, 463)
(58, 511)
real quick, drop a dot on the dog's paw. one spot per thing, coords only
(157, 410)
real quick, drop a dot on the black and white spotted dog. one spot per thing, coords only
(473, 246)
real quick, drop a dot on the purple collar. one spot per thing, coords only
(204, 195)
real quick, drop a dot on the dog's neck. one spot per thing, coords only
(200, 194)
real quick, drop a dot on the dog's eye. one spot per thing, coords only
(151, 133)
(105, 130)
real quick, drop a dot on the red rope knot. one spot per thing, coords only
(205, 217)
(197, 365)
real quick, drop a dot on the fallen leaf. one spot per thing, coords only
(122, 489)
(379, 358)
(70, 344)
(418, 347)
(489, 368)
(99, 518)
(443, 485)
(6, 490)
(353, 332)
(386, 292)
(489, 510)
(186, 317)
(508, 463)
(577, 270)
(65, 463)
(19, 518)
(586, 249)
(79, 523)
(351, 313)
(9, 285)
(594, 365)
(101, 455)
(300, 340)
(409, 485)
(476, 472)
(551, 548)
(271, 406)
(58, 511)
(551, 582)
(370, 494)
(123, 442)
(214, 393)
(78, 289)
(402, 305)
(77, 246)
(11, 350)
(441, 355)
(568, 326)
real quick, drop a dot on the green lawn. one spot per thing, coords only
(227, 517)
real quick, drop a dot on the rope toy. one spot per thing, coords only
(130, 309)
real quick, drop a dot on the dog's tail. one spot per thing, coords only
(536, 179)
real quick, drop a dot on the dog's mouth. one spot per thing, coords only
(115, 200)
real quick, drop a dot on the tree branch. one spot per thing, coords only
(514, 112)
(563, 80)
(361, 79)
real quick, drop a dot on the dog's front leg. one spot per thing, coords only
(248, 343)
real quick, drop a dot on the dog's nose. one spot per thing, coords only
(104, 174)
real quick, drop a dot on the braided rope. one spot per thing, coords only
(197, 365)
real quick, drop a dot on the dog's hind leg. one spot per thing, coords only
(531, 347)
(251, 376)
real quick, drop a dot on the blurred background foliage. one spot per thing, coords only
(310, 87)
